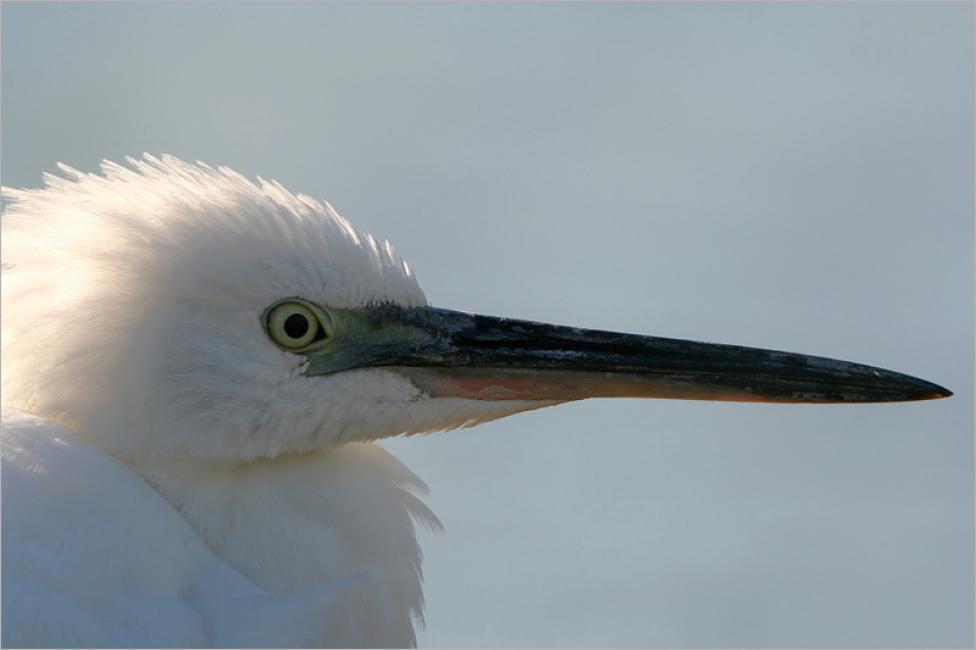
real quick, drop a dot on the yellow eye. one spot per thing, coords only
(292, 325)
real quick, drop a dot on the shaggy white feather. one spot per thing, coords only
(92, 556)
(131, 316)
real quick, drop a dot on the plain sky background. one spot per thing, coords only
(796, 176)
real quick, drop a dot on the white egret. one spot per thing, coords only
(195, 367)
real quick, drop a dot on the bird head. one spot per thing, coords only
(165, 309)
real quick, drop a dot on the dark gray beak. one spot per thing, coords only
(455, 354)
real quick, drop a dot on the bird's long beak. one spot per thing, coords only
(455, 354)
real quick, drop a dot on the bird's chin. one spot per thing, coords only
(447, 413)
(379, 403)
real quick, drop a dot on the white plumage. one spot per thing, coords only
(93, 556)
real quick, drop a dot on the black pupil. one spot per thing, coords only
(296, 326)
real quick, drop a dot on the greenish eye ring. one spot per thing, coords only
(292, 325)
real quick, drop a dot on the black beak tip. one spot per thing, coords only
(890, 386)
(939, 392)
(926, 390)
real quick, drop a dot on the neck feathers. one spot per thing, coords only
(295, 521)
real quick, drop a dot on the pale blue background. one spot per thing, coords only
(796, 176)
